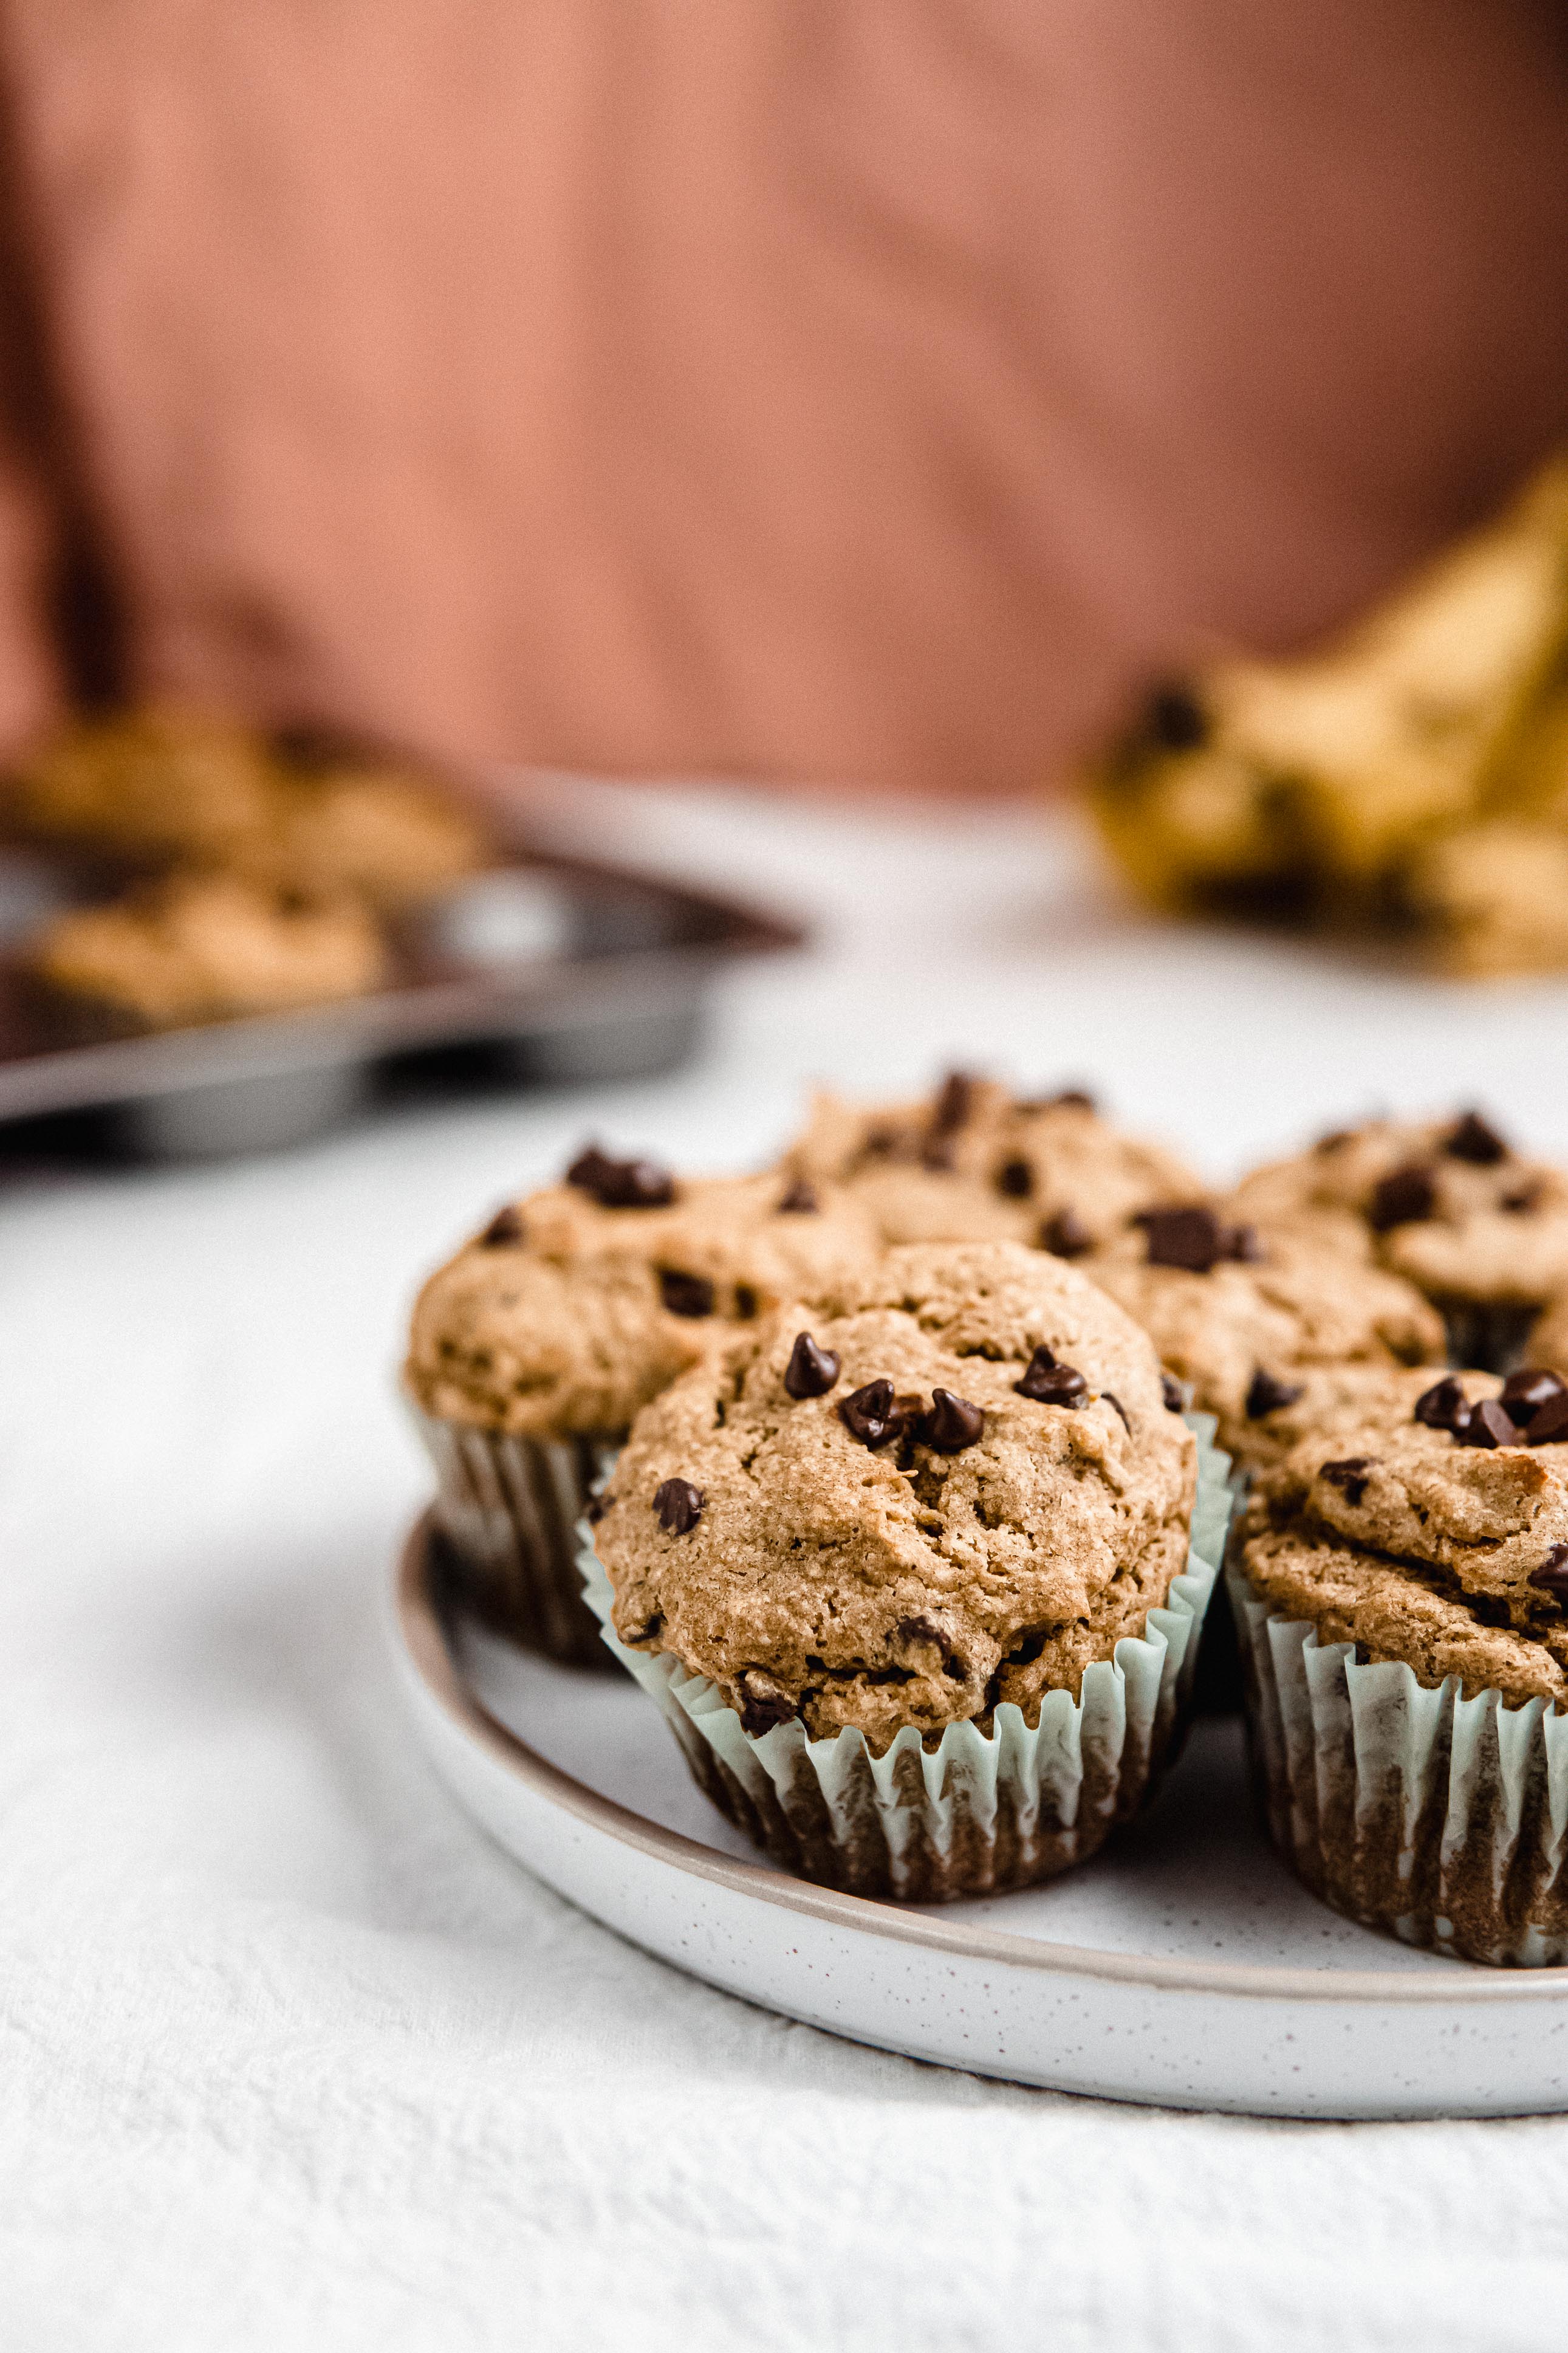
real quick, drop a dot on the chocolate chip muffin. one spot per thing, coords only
(1402, 1589)
(910, 1570)
(1240, 1321)
(976, 1163)
(1481, 1229)
(203, 948)
(533, 1349)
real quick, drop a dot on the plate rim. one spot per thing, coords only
(427, 1650)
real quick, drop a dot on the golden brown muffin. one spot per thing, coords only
(954, 1484)
(207, 948)
(976, 1163)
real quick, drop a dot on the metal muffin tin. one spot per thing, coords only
(542, 968)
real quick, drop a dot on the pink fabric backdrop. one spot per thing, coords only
(804, 388)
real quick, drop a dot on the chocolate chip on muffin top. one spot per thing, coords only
(976, 1163)
(903, 1522)
(574, 1306)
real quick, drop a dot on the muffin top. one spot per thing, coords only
(375, 830)
(578, 1304)
(1429, 1524)
(975, 1163)
(1238, 1319)
(157, 781)
(955, 1482)
(1448, 1203)
(206, 948)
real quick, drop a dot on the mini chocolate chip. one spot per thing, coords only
(635, 1185)
(1531, 1386)
(953, 1423)
(870, 1413)
(505, 1227)
(685, 1295)
(746, 1302)
(1444, 1406)
(1405, 1196)
(1015, 1178)
(1112, 1400)
(1190, 1238)
(1266, 1393)
(811, 1371)
(799, 1200)
(1066, 1235)
(1528, 1197)
(1470, 1138)
(1336, 1140)
(954, 1102)
(678, 1506)
(589, 1170)
(1349, 1475)
(1488, 1424)
(880, 1142)
(763, 1703)
(1049, 1383)
(1549, 1423)
(1175, 719)
(1176, 1395)
(1552, 1577)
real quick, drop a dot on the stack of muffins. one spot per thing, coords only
(888, 1474)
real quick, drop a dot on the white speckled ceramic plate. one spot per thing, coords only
(1183, 1968)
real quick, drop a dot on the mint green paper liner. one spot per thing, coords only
(508, 1508)
(981, 1811)
(1438, 1819)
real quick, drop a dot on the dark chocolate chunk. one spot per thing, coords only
(954, 1102)
(1015, 1178)
(1066, 1235)
(1175, 719)
(811, 1371)
(1350, 1476)
(1488, 1424)
(763, 1703)
(1470, 1138)
(1049, 1383)
(1519, 1204)
(678, 1506)
(1266, 1393)
(1549, 1423)
(505, 1227)
(871, 1414)
(1176, 1394)
(953, 1423)
(685, 1295)
(1529, 1387)
(1552, 1577)
(1444, 1406)
(746, 1302)
(1112, 1400)
(798, 1201)
(1405, 1196)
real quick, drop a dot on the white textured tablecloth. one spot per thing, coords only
(291, 2055)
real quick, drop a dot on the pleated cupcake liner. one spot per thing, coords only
(1438, 1819)
(508, 1508)
(981, 1811)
